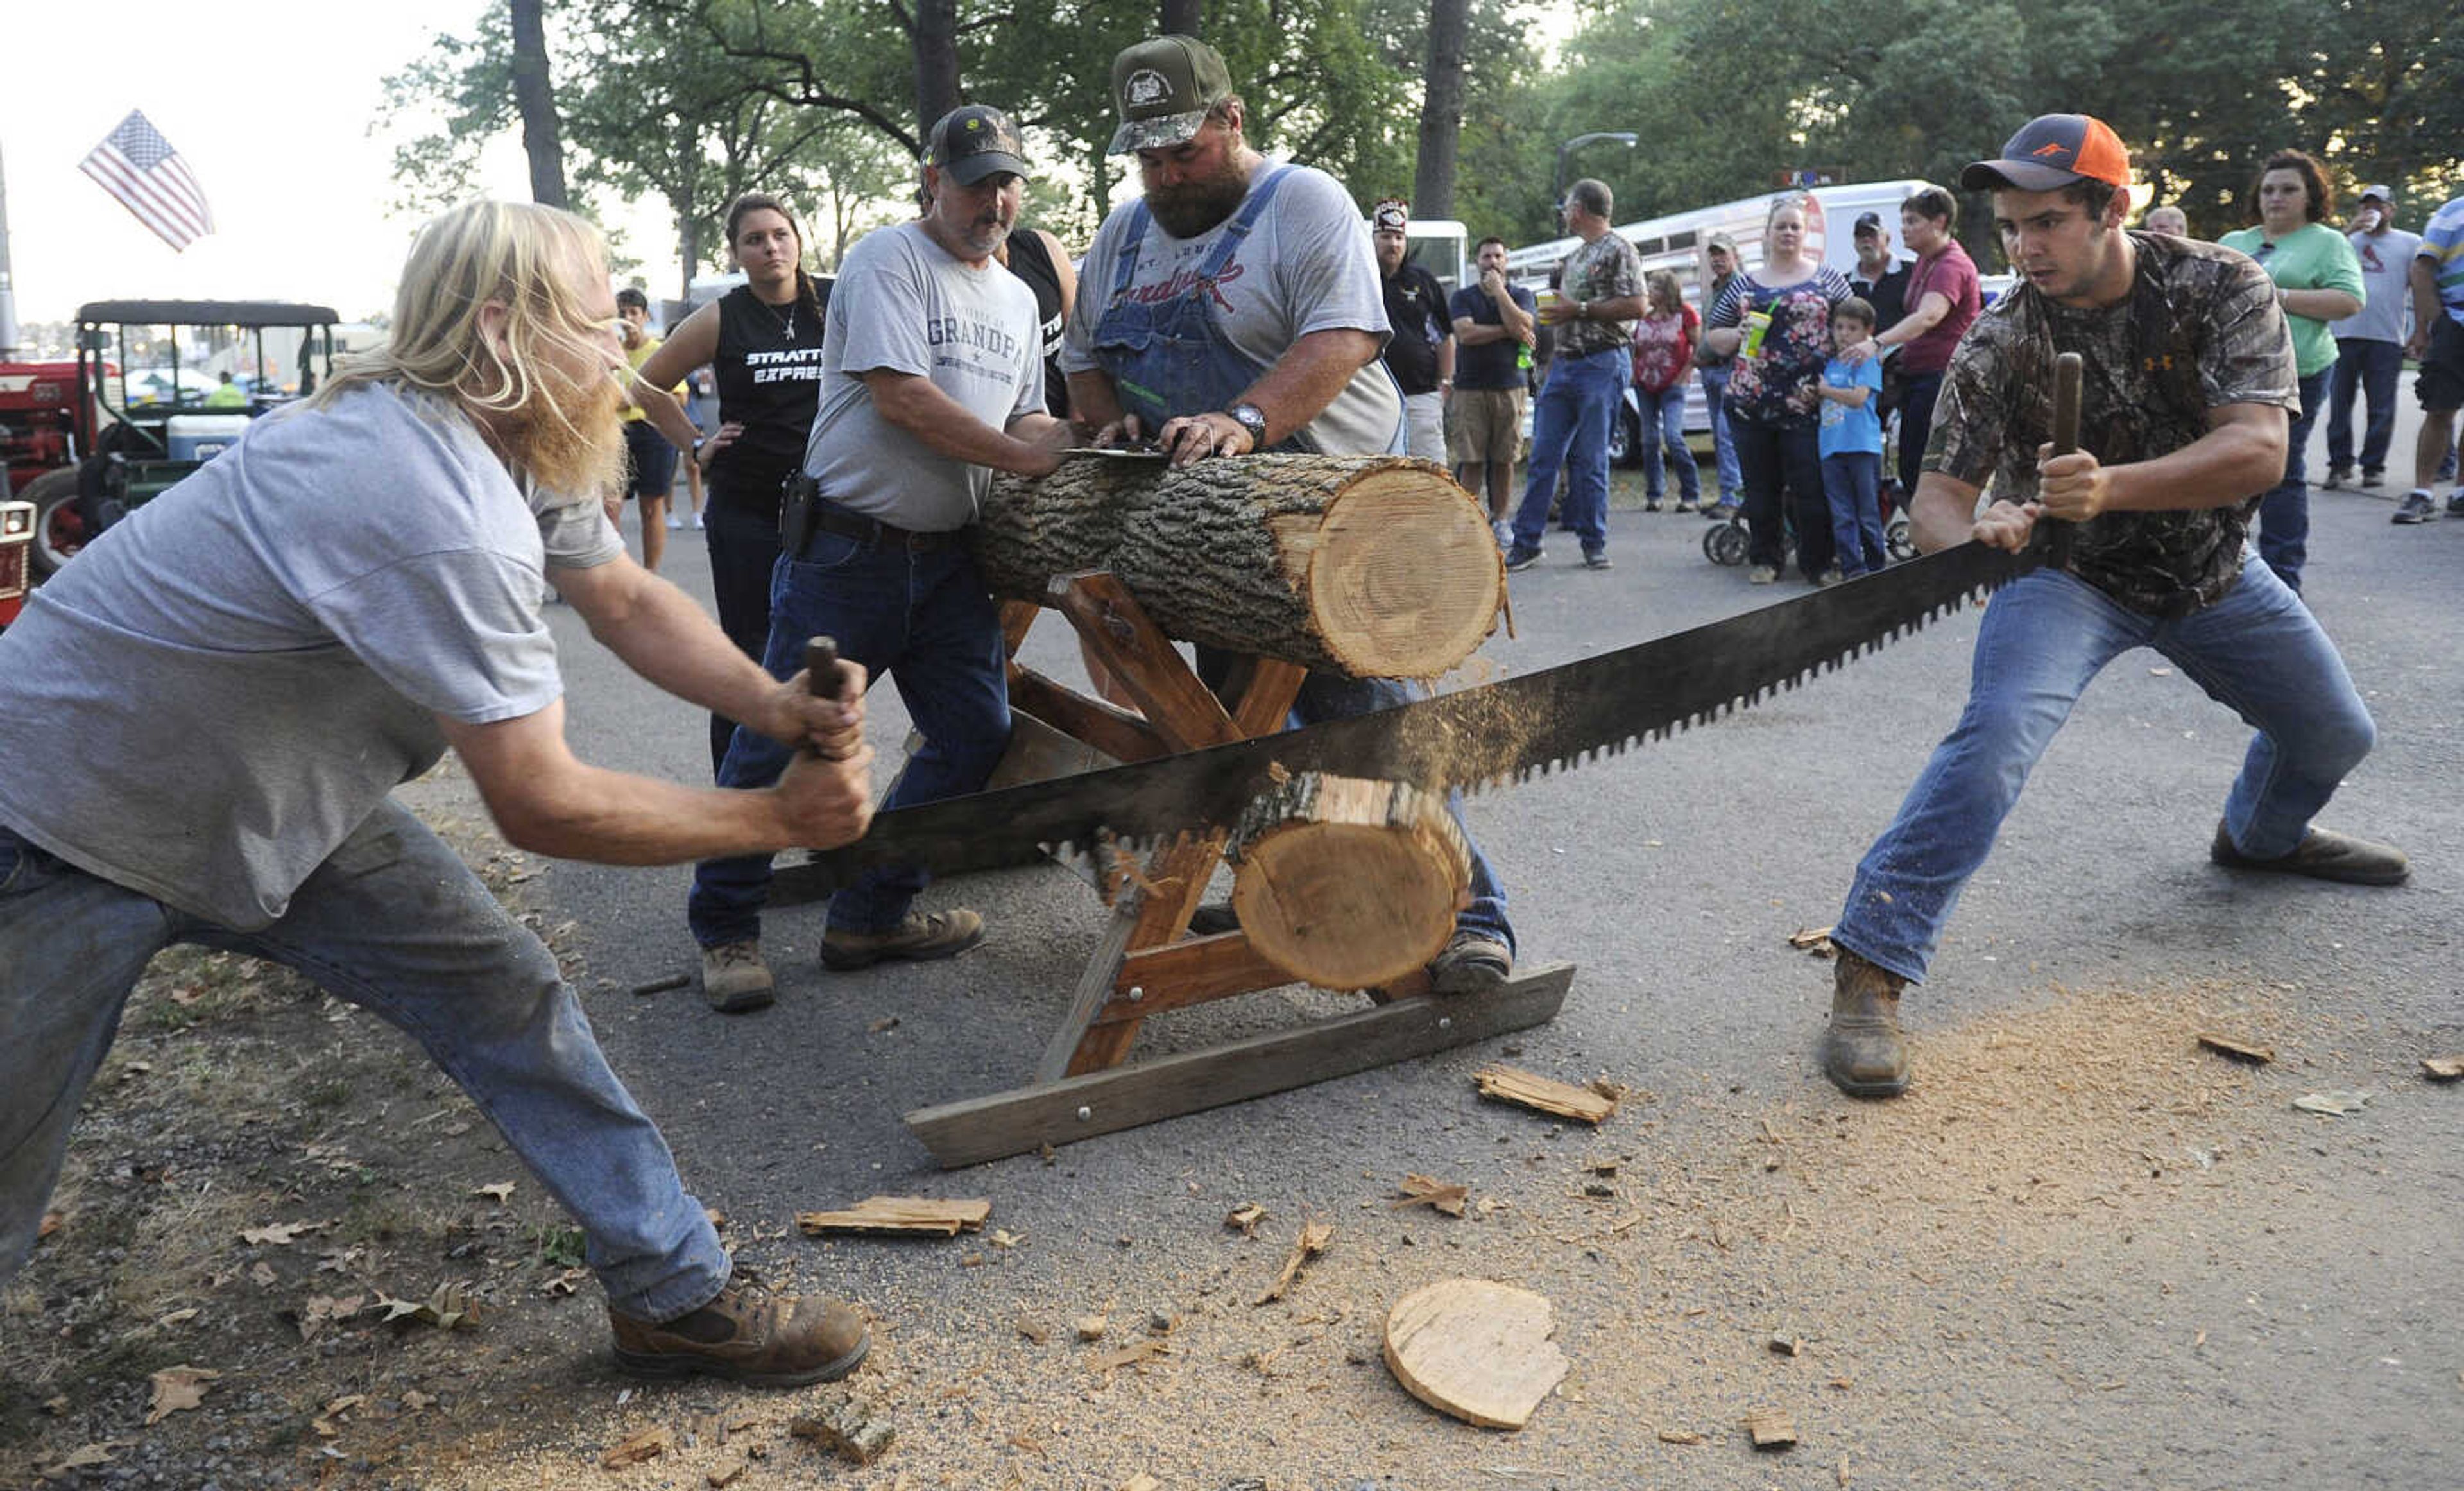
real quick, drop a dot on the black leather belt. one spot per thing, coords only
(830, 518)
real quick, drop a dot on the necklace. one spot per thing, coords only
(786, 323)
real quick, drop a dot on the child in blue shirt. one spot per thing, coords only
(1851, 443)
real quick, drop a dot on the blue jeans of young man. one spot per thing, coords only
(925, 619)
(2373, 367)
(1663, 428)
(394, 922)
(743, 549)
(2258, 651)
(2284, 512)
(1852, 483)
(1723, 443)
(1570, 428)
(1331, 696)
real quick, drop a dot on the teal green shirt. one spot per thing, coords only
(2313, 256)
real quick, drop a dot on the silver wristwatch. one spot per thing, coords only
(1252, 418)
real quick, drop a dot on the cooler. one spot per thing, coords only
(202, 438)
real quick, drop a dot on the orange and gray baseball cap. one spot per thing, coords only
(2050, 152)
(1163, 89)
(974, 141)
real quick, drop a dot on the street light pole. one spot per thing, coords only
(1557, 197)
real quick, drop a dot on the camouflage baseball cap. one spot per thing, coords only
(1163, 89)
(974, 141)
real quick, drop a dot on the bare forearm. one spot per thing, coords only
(1942, 513)
(942, 425)
(2229, 463)
(666, 415)
(1446, 361)
(615, 817)
(2322, 304)
(1928, 314)
(1472, 333)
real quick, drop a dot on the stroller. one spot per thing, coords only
(1724, 543)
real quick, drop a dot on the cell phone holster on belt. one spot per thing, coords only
(799, 501)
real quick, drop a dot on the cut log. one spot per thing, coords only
(1476, 1349)
(1348, 883)
(1371, 566)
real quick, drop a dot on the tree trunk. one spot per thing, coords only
(1366, 566)
(533, 94)
(1346, 883)
(936, 62)
(1441, 108)
(1184, 17)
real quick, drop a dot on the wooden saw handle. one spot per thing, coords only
(2070, 373)
(824, 675)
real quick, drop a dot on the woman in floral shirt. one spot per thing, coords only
(1771, 396)
(1664, 360)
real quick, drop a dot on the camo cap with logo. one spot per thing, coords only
(972, 142)
(1163, 89)
(2050, 152)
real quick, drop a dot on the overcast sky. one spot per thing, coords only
(268, 100)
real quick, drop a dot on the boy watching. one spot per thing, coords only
(1851, 443)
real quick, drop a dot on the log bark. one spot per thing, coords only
(1370, 567)
(1348, 883)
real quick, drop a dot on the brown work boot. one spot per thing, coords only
(1863, 1053)
(748, 1335)
(733, 978)
(941, 934)
(2323, 855)
(1472, 963)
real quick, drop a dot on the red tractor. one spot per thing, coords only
(84, 441)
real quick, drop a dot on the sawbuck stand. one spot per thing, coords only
(1146, 963)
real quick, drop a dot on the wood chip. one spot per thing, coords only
(2438, 1069)
(1445, 1196)
(1312, 1242)
(1784, 1345)
(50, 1224)
(921, 1215)
(1772, 1429)
(1548, 1095)
(1244, 1218)
(856, 1431)
(1142, 1481)
(1816, 940)
(1035, 1331)
(726, 1475)
(660, 986)
(1680, 1437)
(2226, 1046)
(1131, 1355)
(647, 1445)
(1091, 1327)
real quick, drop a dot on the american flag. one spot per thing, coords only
(138, 167)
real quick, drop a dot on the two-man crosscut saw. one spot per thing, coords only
(1553, 720)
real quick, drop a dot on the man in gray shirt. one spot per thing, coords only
(932, 379)
(238, 675)
(2369, 342)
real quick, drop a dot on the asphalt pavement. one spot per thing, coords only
(1671, 876)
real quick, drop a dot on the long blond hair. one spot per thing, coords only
(531, 259)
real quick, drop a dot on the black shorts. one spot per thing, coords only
(2441, 384)
(651, 464)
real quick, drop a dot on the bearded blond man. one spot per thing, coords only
(244, 668)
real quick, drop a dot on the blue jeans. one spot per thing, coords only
(1663, 425)
(1570, 428)
(1331, 696)
(926, 621)
(1783, 467)
(2373, 367)
(1723, 443)
(2257, 651)
(1852, 483)
(2284, 512)
(394, 922)
(743, 549)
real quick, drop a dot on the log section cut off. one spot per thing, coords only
(1348, 883)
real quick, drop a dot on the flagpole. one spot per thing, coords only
(7, 291)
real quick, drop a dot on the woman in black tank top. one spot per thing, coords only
(1036, 257)
(764, 342)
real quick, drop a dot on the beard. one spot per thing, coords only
(1194, 207)
(569, 436)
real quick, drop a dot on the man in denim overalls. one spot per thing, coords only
(1236, 307)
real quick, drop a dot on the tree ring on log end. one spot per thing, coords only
(1397, 611)
(1347, 884)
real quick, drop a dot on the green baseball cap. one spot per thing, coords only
(1163, 89)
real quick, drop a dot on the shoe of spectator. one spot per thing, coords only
(1504, 532)
(2372, 477)
(1864, 1053)
(2456, 504)
(748, 1335)
(1828, 578)
(1597, 559)
(676, 519)
(1473, 963)
(921, 938)
(1724, 508)
(2416, 507)
(1761, 574)
(733, 978)
(696, 522)
(1683, 505)
(2336, 477)
(1518, 558)
(1650, 505)
(2323, 855)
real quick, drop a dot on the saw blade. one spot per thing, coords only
(1551, 720)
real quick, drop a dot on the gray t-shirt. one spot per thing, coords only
(225, 684)
(2386, 294)
(903, 303)
(1306, 267)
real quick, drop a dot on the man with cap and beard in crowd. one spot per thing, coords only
(1420, 352)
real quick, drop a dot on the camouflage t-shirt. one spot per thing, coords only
(2201, 329)
(1604, 269)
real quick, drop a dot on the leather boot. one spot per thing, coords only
(1863, 1053)
(748, 1335)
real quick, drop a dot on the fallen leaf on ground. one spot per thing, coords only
(2334, 1104)
(1312, 1242)
(649, 1444)
(321, 1310)
(262, 1275)
(177, 1390)
(499, 1191)
(414, 1401)
(1445, 1196)
(999, 1238)
(566, 1283)
(281, 1234)
(450, 1306)
(178, 1316)
(84, 1457)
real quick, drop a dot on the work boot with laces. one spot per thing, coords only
(748, 1335)
(1863, 1053)
(920, 937)
(733, 978)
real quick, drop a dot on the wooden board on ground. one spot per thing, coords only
(2226, 1046)
(916, 1214)
(1072, 1108)
(1476, 1349)
(1531, 1090)
(1770, 1428)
